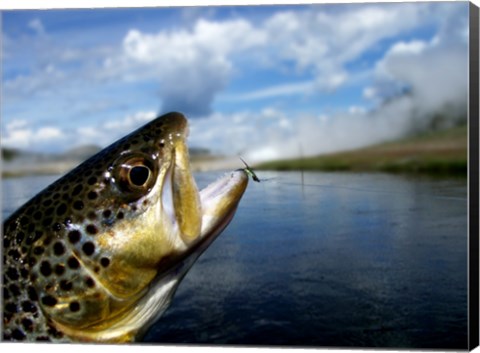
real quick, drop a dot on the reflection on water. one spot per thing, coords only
(365, 260)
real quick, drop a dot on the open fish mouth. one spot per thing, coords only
(210, 210)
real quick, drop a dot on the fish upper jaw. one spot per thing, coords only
(194, 214)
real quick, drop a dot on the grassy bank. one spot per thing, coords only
(436, 153)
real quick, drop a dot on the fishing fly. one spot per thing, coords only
(250, 171)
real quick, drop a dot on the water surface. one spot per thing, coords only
(369, 260)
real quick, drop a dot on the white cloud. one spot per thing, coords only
(37, 26)
(434, 73)
(288, 89)
(18, 135)
(192, 66)
(48, 133)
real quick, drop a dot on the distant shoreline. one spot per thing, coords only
(440, 153)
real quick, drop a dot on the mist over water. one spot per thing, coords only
(418, 86)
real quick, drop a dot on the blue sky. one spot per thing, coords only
(256, 80)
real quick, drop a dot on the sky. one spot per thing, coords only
(265, 82)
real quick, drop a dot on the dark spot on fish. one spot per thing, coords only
(18, 335)
(28, 307)
(24, 273)
(56, 196)
(92, 195)
(91, 229)
(120, 215)
(45, 268)
(12, 274)
(42, 339)
(14, 254)
(74, 307)
(54, 332)
(66, 285)
(74, 236)
(126, 146)
(11, 307)
(24, 221)
(33, 237)
(32, 261)
(89, 282)
(14, 290)
(27, 324)
(61, 209)
(107, 214)
(38, 235)
(78, 205)
(31, 227)
(37, 215)
(57, 227)
(19, 238)
(48, 300)
(77, 190)
(47, 202)
(32, 294)
(38, 250)
(6, 293)
(89, 171)
(49, 211)
(6, 243)
(162, 144)
(59, 270)
(73, 263)
(58, 248)
(88, 248)
(92, 180)
(134, 141)
(67, 221)
(47, 240)
(47, 221)
(105, 262)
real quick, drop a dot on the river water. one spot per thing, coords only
(325, 260)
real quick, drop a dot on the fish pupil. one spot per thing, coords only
(139, 175)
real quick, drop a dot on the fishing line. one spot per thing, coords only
(389, 192)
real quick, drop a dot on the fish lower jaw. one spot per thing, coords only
(219, 200)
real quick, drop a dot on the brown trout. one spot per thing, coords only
(98, 255)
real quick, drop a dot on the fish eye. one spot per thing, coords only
(135, 175)
(139, 175)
